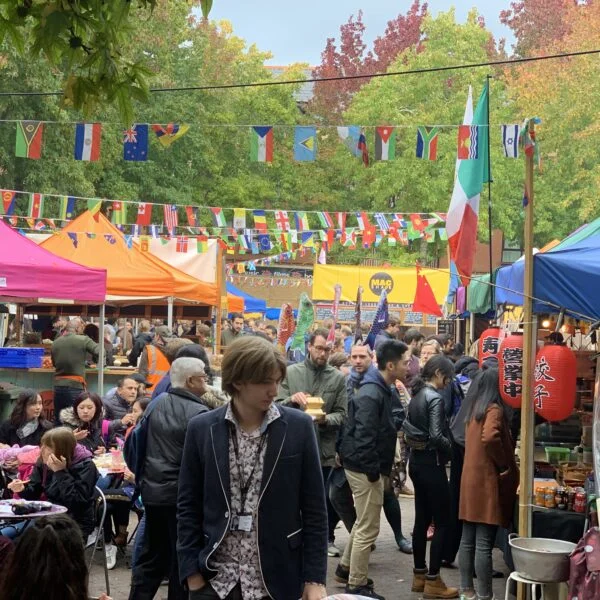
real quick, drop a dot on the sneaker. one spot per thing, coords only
(435, 588)
(111, 556)
(342, 574)
(333, 550)
(363, 590)
(91, 540)
(405, 546)
(464, 596)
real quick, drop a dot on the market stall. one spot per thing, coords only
(251, 303)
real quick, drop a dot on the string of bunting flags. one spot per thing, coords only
(262, 148)
(240, 230)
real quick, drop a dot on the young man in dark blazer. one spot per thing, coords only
(252, 519)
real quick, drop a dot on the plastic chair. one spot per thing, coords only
(101, 510)
(534, 585)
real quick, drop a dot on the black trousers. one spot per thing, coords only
(454, 534)
(432, 504)
(158, 556)
(63, 398)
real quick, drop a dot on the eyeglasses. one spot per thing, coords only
(325, 349)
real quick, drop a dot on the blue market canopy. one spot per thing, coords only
(568, 276)
(251, 304)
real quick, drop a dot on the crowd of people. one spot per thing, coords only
(208, 466)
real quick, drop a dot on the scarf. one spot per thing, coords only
(28, 428)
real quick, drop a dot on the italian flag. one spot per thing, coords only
(385, 143)
(470, 175)
(261, 144)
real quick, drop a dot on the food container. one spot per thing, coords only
(556, 455)
(541, 559)
(313, 407)
(549, 501)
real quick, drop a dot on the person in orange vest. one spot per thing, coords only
(154, 365)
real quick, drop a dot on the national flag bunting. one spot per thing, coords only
(144, 214)
(463, 214)
(427, 139)
(363, 220)
(468, 142)
(87, 141)
(135, 143)
(167, 134)
(261, 144)
(341, 220)
(202, 244)
(349, 136)
(8, 202)
(510, 140)
(170, 214)
(182, 244)
(29, 139)
(282, 220)
(325, 219)
(385, 143)
(218, 216)
(192, 213)
(67, 208)
(119, 213)
(382, 222)
(417, 223)
(264, 242)
(260, 220)
(362, 146)
(239, 218)
(301, 221)
(305, 144)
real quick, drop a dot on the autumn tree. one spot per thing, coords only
(331, 99)
(537, 23)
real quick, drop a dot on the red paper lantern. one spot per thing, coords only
(555, 382)
(489, 343)
(510, 369)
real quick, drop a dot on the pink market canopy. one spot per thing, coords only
(29, 273)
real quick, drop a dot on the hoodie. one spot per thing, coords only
(369, 440)
(73, 487)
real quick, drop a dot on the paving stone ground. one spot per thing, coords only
(390, 569)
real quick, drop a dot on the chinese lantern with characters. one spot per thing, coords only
(510, 369)
(555, 382)
(489, 343)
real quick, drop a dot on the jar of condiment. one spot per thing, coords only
(571, 499)
(549, 497)
(540, 496)
(580, 501)
(559, 499)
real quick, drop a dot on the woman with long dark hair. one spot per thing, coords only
(426, 435)
(26, 425)
(488, 485)
(85, 419)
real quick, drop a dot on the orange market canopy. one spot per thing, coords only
(133, 276)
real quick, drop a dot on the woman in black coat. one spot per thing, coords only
(85, 419)
(26, 425)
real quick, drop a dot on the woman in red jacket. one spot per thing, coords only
(489, 483)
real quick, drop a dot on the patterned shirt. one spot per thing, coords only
(236, 558)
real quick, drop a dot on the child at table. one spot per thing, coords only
(65, 474)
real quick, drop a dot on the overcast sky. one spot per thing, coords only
(297, 31)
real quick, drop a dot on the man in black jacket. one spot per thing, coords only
(367, 453)
(252, 521)
(167, 425)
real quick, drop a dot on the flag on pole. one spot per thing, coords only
(67, 208)
(468, 142)
(144, 214)
(135, 143)
(380, 321)
(463, 214)
(427, 139)
(364, 151)
(29, 139)
(305, 144)
(261, 144)
(218, 216)
(510, 140)
(170, 214)
(167, 134)
(349, 136)
(385, 143)
(358, 338)
(425, 301)
(87, 141)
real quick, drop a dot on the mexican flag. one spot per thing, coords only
(470, 175)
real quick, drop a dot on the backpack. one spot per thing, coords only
(134, 450)
(584, 579)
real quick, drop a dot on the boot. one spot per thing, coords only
(418, 580)
(122, 536)
(436, 588)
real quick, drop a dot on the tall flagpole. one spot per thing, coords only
(489, 169)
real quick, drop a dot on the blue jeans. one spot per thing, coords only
(475, 552)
